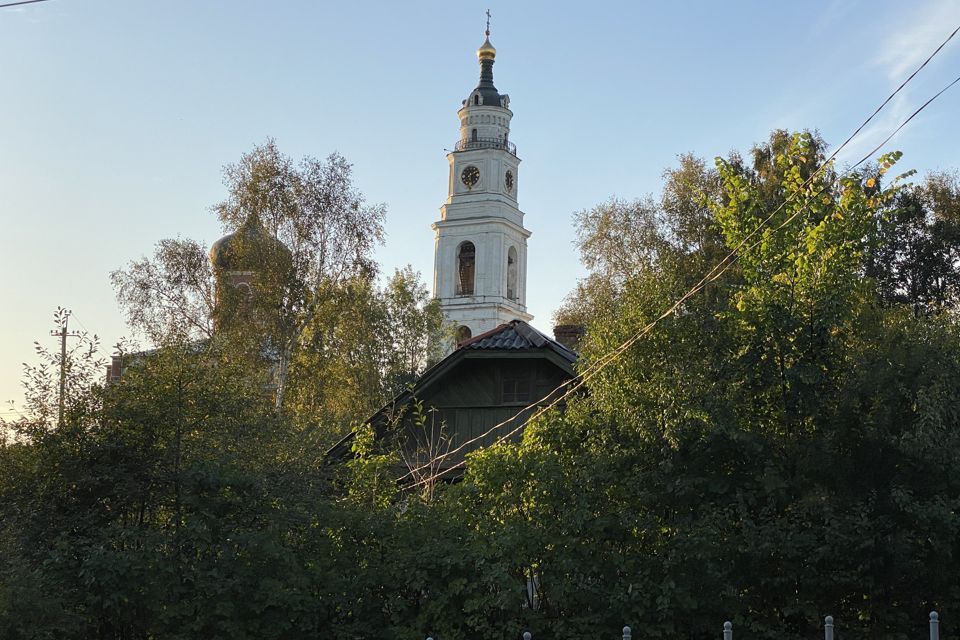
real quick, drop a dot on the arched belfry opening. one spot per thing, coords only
(463, 334)
(466, 268)
(512, 273)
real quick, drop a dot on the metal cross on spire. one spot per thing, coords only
(488, 23)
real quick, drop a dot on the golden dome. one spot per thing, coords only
(248, 248)
(486, 50)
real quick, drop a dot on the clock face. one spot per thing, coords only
(508, 180)
(470, 176)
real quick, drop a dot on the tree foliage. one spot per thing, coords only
(170, 296)
(768, 453)
(327, 231)
(914, 259)
(780, 448)
(363, 346)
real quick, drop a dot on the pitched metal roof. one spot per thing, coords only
(517, 334)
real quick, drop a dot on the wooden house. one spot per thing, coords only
(481, 392)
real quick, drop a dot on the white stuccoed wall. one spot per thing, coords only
(488, 216)
(485, 213)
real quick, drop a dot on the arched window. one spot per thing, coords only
(244, 293)
(476, 99)
(512, 273)
(463, 334)
(473, 135)
(466, 268)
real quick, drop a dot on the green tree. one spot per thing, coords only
(182, 507)
(773, 452)
(322, 219)
(170, 296)
(364, 345)
(915, 258)
(779, 449)
(324, 223)
(414, 328)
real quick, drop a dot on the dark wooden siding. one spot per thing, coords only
(468, 403)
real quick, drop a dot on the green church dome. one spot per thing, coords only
(247, 248)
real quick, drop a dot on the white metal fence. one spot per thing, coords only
(827, 629)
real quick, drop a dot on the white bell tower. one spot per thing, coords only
(480, 260)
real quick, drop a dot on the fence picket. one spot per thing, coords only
(828, 629)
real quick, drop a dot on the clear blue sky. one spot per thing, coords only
(117, 117)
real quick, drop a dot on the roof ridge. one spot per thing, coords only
(531, 334)
(485, 334)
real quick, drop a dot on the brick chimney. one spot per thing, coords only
(569, 335)
(114, 370)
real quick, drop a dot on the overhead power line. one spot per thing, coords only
(90, 333)
(904, 123)
(719, 269)
(896, 91)
(16, 4)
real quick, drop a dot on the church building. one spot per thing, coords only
(500, 367)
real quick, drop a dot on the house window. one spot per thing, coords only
(512, 273)
(466, 268)
(515, 388)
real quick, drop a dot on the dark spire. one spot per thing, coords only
(487, 54)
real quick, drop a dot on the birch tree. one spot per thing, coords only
(330, 230)
(312, 207)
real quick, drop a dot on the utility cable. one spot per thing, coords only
(711, 276)
(902, 85)
(89, 334)
(673, 308)
(17, 4)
